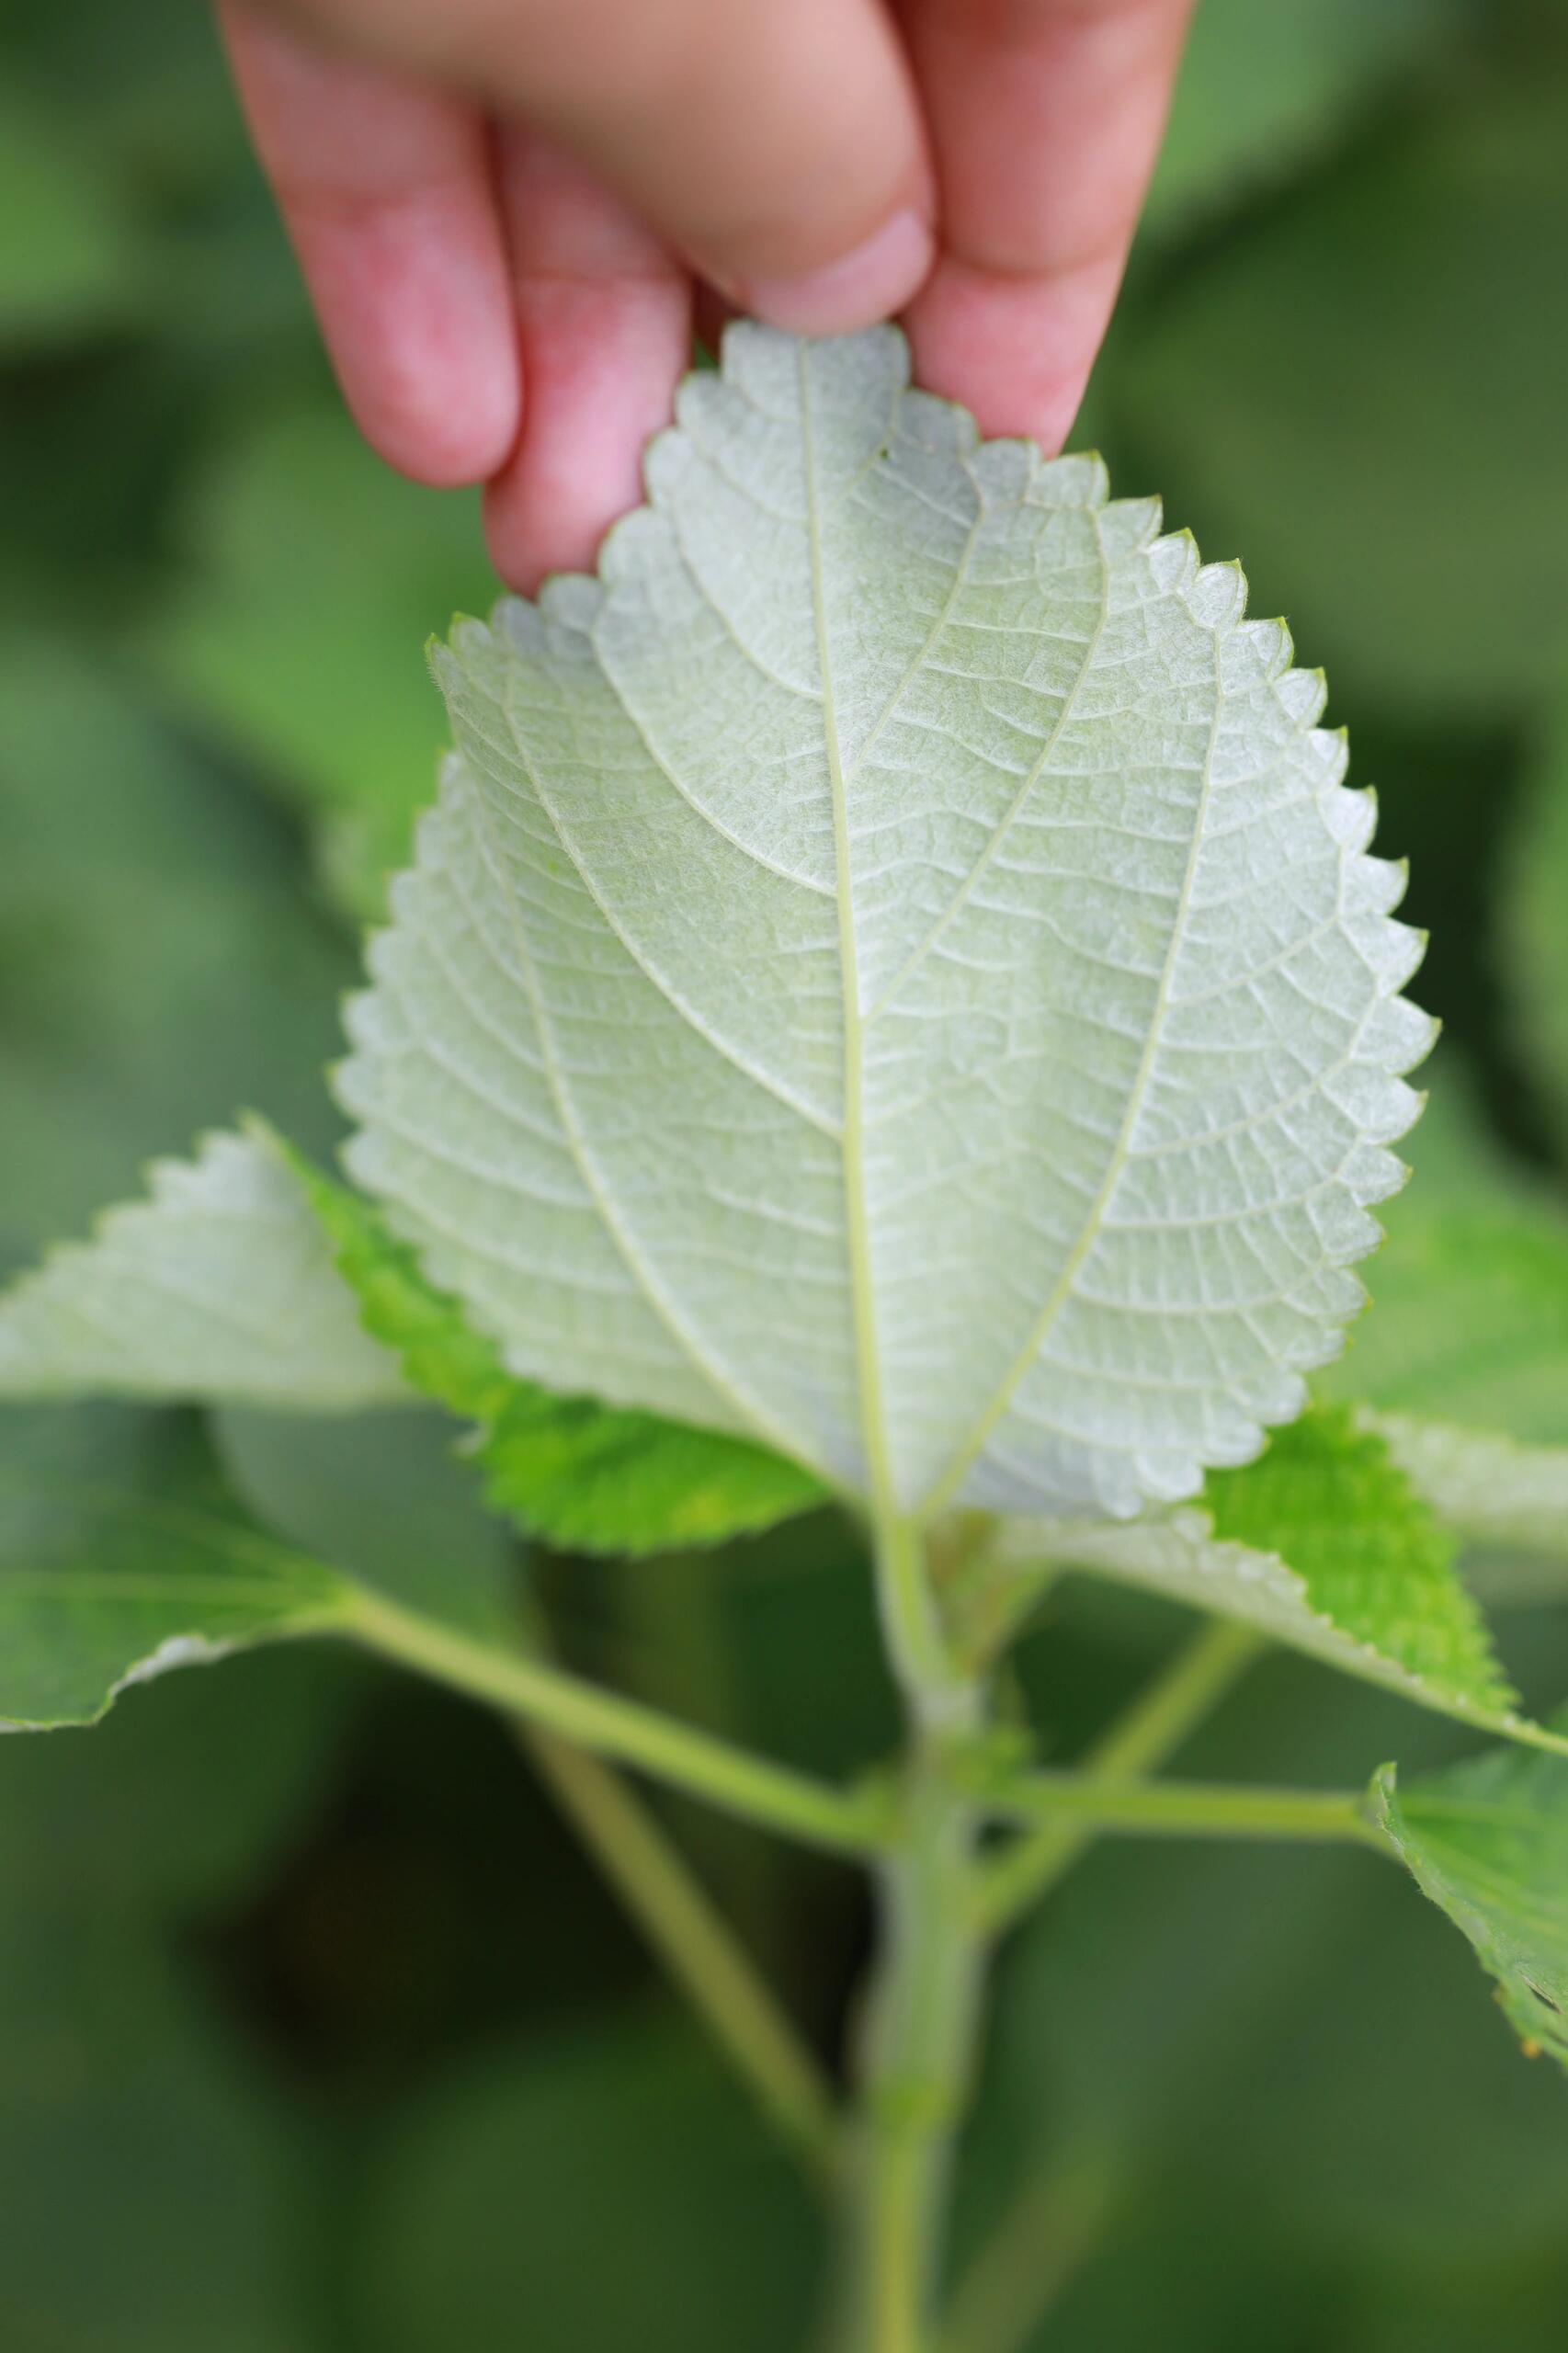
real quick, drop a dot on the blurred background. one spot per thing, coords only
(317, 2035)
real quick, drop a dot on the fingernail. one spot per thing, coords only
(878, 277)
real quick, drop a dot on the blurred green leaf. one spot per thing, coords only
(106, 1583)
(69, 261)
(1532, 932)
(320, 689)
(1265, 89)
(1487, 1840)
(159, 963)
(1362, 390)
(384, 1496)
(587, 1476)
(155, 2197)
(607, 2189)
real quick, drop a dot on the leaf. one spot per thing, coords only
(1532, 937)
(69, 265)
(1324, 1545)
(1362, 508)
(1490, 1489)
(591, 1477)
(494, 2198)
(892, 972)
(318, 688)
(1487, 1840)
(100, 1588)
(221, 1285)
(1263, 90)
(159, 961)
(1469, 1316)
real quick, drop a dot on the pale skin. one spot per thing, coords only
(512, 213)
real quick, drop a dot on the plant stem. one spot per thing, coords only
(696, 1944)
(1049, 2230)
(921, 2031)
(1152, 1729)
(845, 1822)
(924, 2000)
(1184, 1809)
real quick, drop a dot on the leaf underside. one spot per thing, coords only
(220, 1285)
(892, 972)
(1487, 1840)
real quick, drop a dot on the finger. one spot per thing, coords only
(1046, 117)
(779, 148)
(604, 316)
(387, 194)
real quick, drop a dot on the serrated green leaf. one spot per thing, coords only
(1322, 1544)
(892, 972)
(583, 1475)
(104, 1587)
(220, 1285)
(1359, 509)
(1487, 1840)
(1533, 933)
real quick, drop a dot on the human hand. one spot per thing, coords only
(506, 209)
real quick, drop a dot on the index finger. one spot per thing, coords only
(1046, 117)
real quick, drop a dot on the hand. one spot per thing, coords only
(505, 209)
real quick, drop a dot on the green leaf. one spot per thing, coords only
(221, 1285)
(104, 1587)
(1487, 1840)
(493, 2199)
(1374, 512)
(160, 961)
(1469, 1321)
(1532, 937)
(318, 689)
(1489, 1489)
(892, 974)
(1263, 90)
(587, 1476)
(69, 265)
(1322, 1544)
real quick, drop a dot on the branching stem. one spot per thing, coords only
(849, 1822)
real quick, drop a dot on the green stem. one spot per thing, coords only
(696, 1944)
(843, 1821)
(924, 2001)
(1184, 1809)
(922, 2029)
(1048, 2232)
(1149, 1731)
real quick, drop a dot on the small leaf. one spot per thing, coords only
(591, 1477)
(221, 1285)
(1487, 1840)
(892, 972)
(1324, 1545)
(103, 1588)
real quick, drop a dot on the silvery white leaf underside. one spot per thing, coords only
(893, 968)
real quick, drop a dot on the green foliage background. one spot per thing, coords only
(316, 2035)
